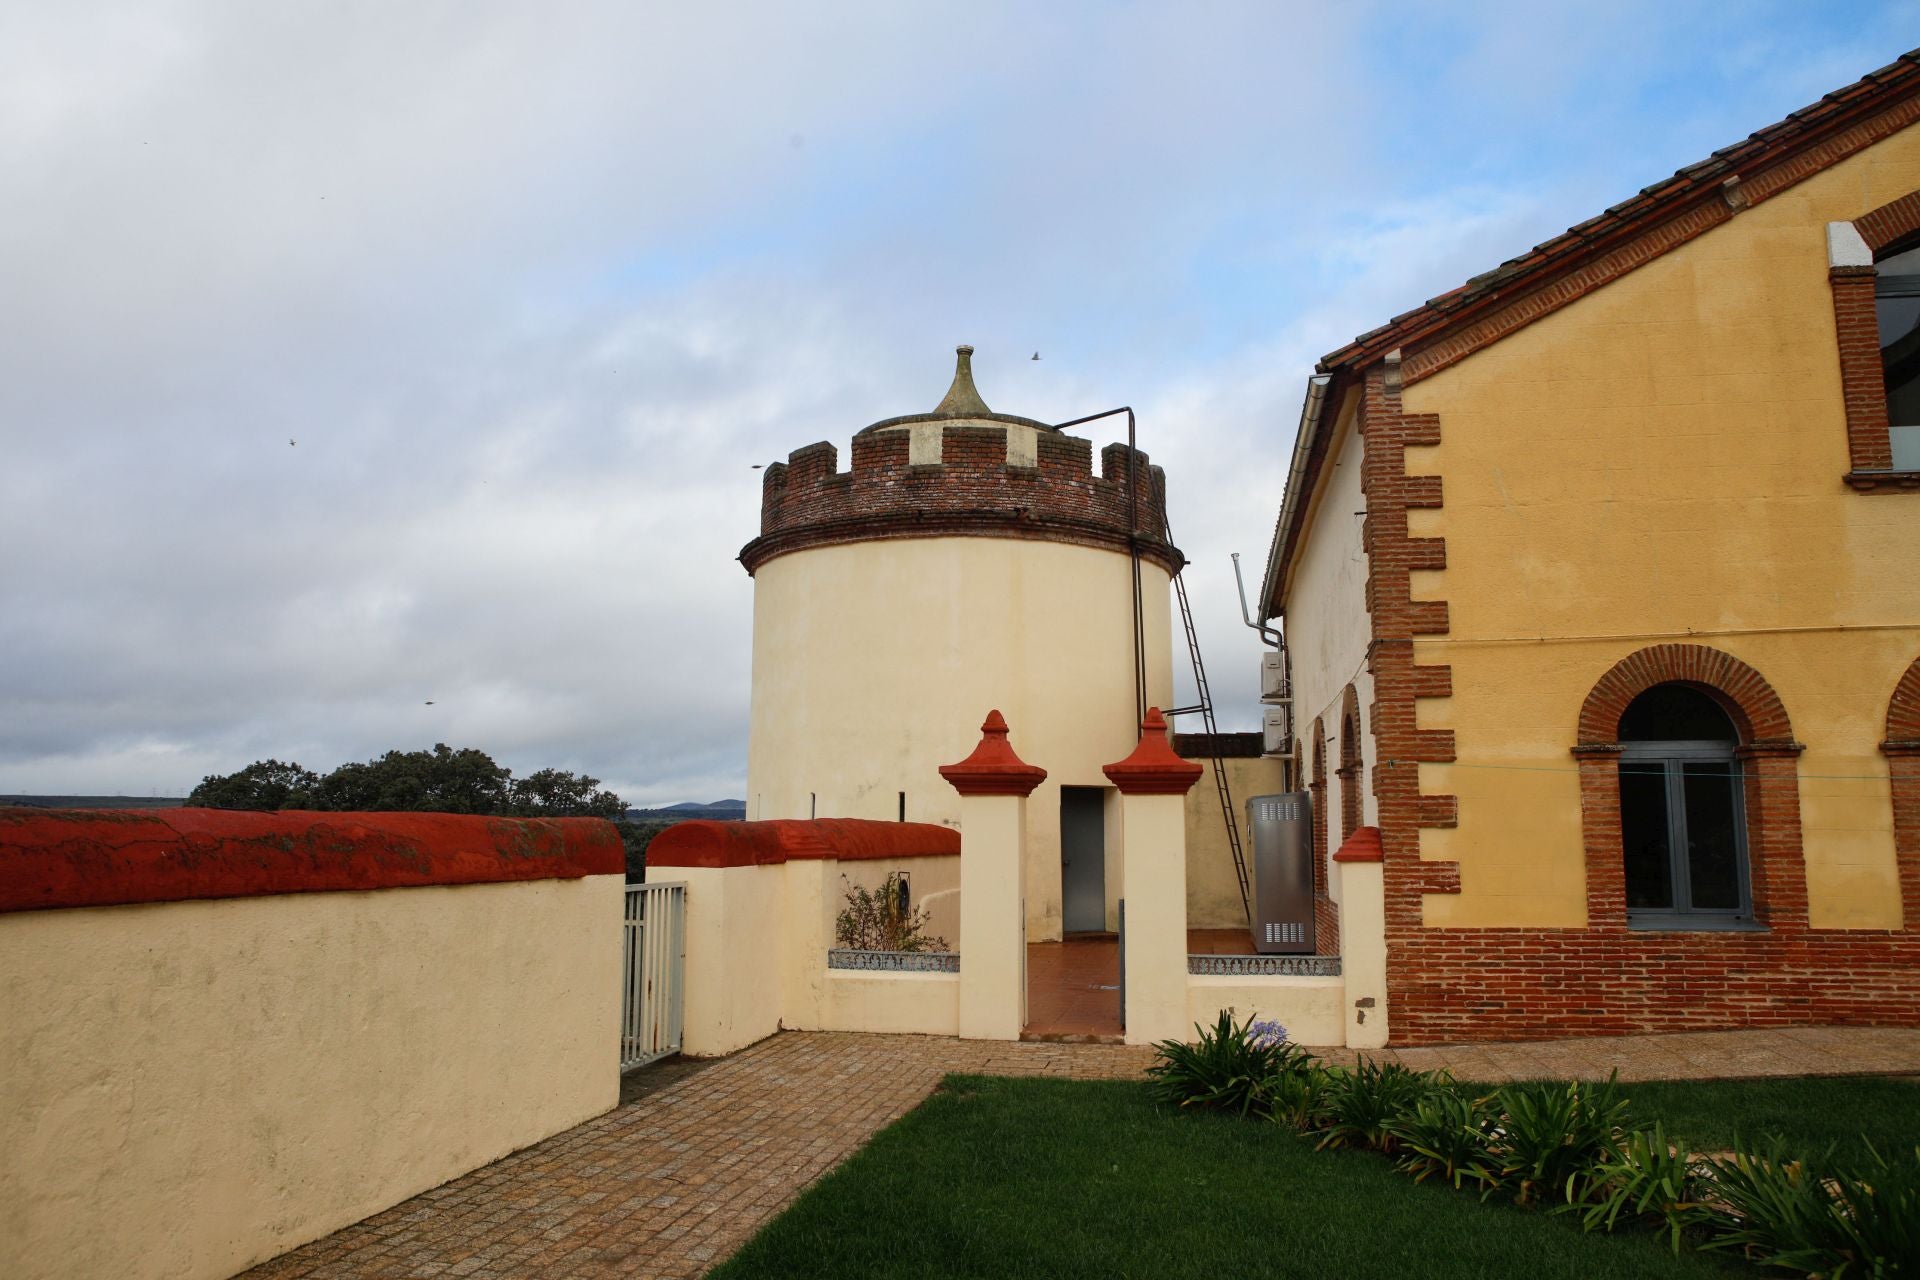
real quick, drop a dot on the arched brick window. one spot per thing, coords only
(1317, 788)
(1902, 749)
(1873, 265)
(1351, 772)
(1763, 751)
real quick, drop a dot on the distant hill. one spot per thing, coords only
(719, 810)
(100, 802)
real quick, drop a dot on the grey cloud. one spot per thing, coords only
(532, 287)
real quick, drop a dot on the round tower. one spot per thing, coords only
(968, 560)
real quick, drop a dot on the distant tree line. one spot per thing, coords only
(438, 781)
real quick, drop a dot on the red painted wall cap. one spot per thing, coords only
(702, 842)
(993, 769)
(53, 858)
(1362, 846)
(1153, 769)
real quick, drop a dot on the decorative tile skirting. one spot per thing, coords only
(1264, 966)
(895, 961)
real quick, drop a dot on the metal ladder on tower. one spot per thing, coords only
(1205, 708)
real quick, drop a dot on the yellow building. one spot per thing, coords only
(1622, 657)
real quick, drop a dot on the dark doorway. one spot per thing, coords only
(1083, 860)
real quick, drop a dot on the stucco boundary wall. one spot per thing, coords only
(762, 898)
(1347, 1010)
(228, 1034)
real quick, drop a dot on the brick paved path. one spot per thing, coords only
(678, 1178)
(1692, 1055)
(673, 1182)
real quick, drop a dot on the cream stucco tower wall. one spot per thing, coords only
(968, 559)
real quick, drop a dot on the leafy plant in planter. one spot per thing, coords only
(1809, 1214)
(882, 920)
(1449, 1134)
(1649, 1179)
(1554, 1134)
(1297, 1097)
(1361, 1104)
(1233, 1067)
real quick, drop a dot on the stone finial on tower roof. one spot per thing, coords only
(962, 400)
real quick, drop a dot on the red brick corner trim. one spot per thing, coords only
(1393, 554)
(1153, 769)
(1857, 333)
(1902, 749)
(1772, 786)
(703, 842)
(994, 768)
(1362, 846)
(51, 858)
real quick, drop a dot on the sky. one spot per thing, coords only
(381, 374)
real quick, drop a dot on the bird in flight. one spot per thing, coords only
(429, 701)
(290, 444)
(1036, 355)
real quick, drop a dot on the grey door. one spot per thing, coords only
(1083, 859)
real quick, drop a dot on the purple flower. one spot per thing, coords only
(1266, 1035)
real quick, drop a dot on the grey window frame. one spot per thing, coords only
(1683, 915)
(1905, 285)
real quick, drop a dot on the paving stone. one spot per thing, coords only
(683, 1172)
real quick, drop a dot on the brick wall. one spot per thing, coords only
(1857, 328)
(972, 491)
(1902, 749)
(1224, 746)
(1464, 984)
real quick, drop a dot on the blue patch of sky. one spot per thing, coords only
(1622, 118)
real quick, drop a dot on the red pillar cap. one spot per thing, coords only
(993, 769)
(1153, 769)
(1362, 846)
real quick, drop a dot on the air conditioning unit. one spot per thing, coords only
(1273, 676)
(1276, 731)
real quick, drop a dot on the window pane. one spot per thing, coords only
(1904, 263)
(1900, 357)
(1713, 843)
(1643, 835)
(1674, 713)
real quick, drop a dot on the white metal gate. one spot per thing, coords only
(654, 947)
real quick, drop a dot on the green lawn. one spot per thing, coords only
(1044, 1178)
(1808, 1113)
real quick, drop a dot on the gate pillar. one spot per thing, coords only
(994, 784)
(1153, 784)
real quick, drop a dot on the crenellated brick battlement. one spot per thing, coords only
(968, 478)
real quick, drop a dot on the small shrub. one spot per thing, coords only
(1809, 1215)
(1230, 1068)
(1298, 1097)
(1650, 1180)
(1449, 1134)
(1553, 1135)
(1361, 1104)
(880, 920)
